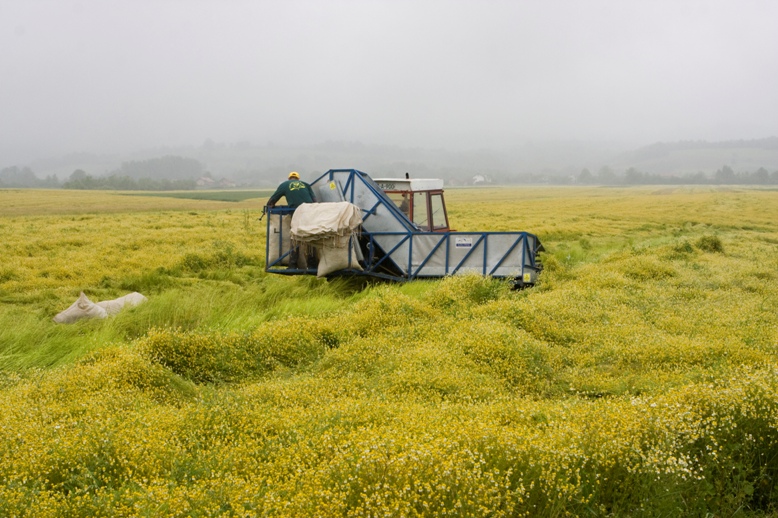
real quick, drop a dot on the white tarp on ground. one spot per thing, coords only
(114, 306)
(328, 227)
(85, 308)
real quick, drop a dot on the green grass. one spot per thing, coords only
(638, 378)
(32, 339)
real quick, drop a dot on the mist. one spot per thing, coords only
(114, 77)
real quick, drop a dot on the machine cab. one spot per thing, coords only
(420, 199)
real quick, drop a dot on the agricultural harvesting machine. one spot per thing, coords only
(403, 234)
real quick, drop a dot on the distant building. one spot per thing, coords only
(205, 182)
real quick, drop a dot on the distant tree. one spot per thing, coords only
(81, 181)
(122, 183)
(586, 177)
(697, 178)
(760, 176)
(51, 181)
(77, 175)
(633, 177)
(606, 175)
(18, 177)
(725, 175)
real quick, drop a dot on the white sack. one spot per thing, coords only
(330, 228)
(114, 306)
(334, 256)
(314, 221)
(81, 308)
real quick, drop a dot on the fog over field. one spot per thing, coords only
(114, 78)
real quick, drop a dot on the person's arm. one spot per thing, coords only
(313, 194)
(276, 196)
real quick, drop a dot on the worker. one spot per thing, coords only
(294, 190)
(404, 205)
(296, 193)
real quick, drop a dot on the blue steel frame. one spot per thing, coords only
(277, 266)
(377, 267)
(445, 238)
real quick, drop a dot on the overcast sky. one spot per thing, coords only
(114, 76)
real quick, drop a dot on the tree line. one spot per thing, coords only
(16, 177)
(179, 173)
(723, 175)
(80, 180)
(156, 174)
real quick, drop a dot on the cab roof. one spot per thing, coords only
(412, 184)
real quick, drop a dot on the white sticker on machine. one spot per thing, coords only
(463, 242)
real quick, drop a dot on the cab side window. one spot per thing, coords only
(420, 213)
(438, 212)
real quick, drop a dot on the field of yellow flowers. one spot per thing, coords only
(638, 378)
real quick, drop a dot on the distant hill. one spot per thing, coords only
(168, 167)
(689, 157)
(244, 164)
